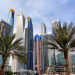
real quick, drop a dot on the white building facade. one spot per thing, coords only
(17, 65)
(43, 29)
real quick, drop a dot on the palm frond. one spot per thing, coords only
(71, 33)
(69, 28)
(72, 43)
(52, 44)
(21, 55)
(17, 42)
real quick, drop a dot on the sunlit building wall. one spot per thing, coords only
(17, 64)
(43, 29)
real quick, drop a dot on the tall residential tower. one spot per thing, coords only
(44, 53)
(43, 29)
(37, 54)
(17, 64)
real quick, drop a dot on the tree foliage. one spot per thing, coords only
(8, 72)
(62, 39)
(9, 46)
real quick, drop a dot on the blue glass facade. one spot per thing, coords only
(35, 58)
(6, 28)
(60, 59)
(29, 42)
(11, 18)
(73, 58)
(1, 60)
(44, 54)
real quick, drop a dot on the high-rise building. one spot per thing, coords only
(29, 42)
(60, 61)
(11, 17)
(5, 27)
(43, 29)
(56, 23)
(20, 33)
(50, 54)
(72, 59)
(37, 65)
(44, 53)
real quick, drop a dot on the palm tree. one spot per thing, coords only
(62, 40)
(9, 46)
(8, 72)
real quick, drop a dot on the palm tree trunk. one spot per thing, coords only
(2, 68)
(66, 63)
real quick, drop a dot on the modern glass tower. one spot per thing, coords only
(60, 59)
(29, 42)
(11, 17)
(44, 53)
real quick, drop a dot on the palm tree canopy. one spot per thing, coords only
(9, 46)
(62, 38)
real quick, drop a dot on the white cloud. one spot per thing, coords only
(41, 11)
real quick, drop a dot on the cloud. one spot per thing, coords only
(41, 11)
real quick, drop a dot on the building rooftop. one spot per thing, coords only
(11, 10)
(6, 23)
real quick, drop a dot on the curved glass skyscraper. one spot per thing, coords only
(11, 17)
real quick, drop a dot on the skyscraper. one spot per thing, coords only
(56, 23)
(50, 53)
(20, 33)
(44, 53)
(5, 26)
(29, 42)
(11, 17)
(43, 29)
(37, 65)
(60, 59)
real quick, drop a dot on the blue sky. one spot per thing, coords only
(41, 11)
